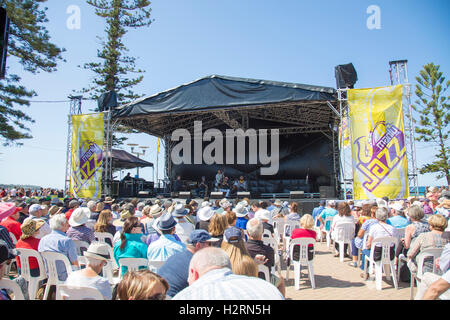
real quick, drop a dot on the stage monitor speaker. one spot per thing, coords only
(4, 35)
(174, 194)
(243, 194)
(107, 101)
(216, 195)
(346, 76)
(327, 192)
(184, 195)
(297, 195)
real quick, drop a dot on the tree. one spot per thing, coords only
(112, 72)
(29, 42)
(433, 109)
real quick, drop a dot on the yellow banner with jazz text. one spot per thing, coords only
(87, 156)
(378, 143)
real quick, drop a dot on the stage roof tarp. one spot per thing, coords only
(124, 160)
(215, 92)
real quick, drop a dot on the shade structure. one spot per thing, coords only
(125, 160)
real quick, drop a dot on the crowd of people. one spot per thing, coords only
(209, 249)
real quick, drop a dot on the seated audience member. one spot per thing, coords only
(231, 218)
(115, 208)
(139, 207)
(183, 228)
(264, 216)
(361, 236)
(97, 256)
(108, 203)
(142, 285)
(150, 213)
(293, 212)
(378, 230)
(427, 240)
(343, 216)
(329, 211)
(58, 241)
(432, 285)
(204, 216)
(130, 244)
(225, 186)
(397, 218)
(6, 256)
(233, 244)
(192, 215)
(176, 269)
(73, 204)
(217, 228)
(36, 212)
(317, 211)
(167, 245)
(242, 216)
(417, 226)
(30, 240)
(78, 229)
(104, 224)
(211, 278)
(12, 224)
(255, 246)
(306, 231)
(280, 211)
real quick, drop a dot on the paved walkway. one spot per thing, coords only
(337, 280)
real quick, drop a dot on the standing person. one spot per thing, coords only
(211, 278)
(176, 269)
(343, 216)
(12, 224)
(78, 229)
(378, 230)
(167, 245)
(30, 239)
(97, 256)
(130, 244)
(202, 189)
(58, 241)
(218, 180)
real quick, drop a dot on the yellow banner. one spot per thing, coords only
(378, 143)
(157, 148)
(344, 133)
(87, 156)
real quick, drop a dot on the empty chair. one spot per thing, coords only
(385, 263)
(65, 292)
(154, 265)
(132, 264)
(278, 227)
(343, 234)
(102, 236)
(269, 240)
(303, 260)
(264, 270)
(51, 258)
(81, 246)
(433, 253)
(14, 287)
(33, 282)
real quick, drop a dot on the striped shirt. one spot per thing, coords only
(222, 284)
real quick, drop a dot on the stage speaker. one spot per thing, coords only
(107, 101)
(4, 35)
(216, 195)
(297, 195)
(174, 194)
(243, 194)
(184, 195)
(327, 192)
(345, 75)
(115, 188)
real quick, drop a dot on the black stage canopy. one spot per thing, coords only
(305, 115)
(124, 160)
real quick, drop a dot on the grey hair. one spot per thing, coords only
(91, 205)
(381, 214)
(255, 228)
(416, 213)
(57, 221)
(209, 257)
(93, 262)
(140, 206)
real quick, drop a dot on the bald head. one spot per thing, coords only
(207, 259)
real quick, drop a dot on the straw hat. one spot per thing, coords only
(54, 210)
(156, 210)
(109, 200)
(30, 226)
(124, 215)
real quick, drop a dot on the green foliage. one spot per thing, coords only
(29, 42)
(432, 126)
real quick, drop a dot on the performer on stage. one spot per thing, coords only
(202, 189)
(219, 179)
(178, 184)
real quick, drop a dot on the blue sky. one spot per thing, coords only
(292, 40)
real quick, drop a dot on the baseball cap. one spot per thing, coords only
(232, 235)
(200, 235)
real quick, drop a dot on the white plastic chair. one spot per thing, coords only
(132, 264)
(66, 292)
(327, 232)
(400, 234)
(14, 287)
(51, 258)
(420, 259)
(318, 229)
(102, 236)
(264, 270)
(289, 226)
(385, 263)
(269, 240)
(81, 246)
(278, 228)
(154, 265)
(33, 282)
(303, 260)
(343, 234)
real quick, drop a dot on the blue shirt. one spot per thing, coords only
(164, 247)
(398, 222)
(57, 241)
(176, 271)
(134, 248)
(328, 212)
(316, 212)
(222, 284)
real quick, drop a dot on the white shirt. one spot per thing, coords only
(381, 230)
(99, 283)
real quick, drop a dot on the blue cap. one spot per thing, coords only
(232, 235)
(200, 235)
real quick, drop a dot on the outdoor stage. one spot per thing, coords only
(304, 115)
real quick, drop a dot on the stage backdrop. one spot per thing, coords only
(378, 143)
(87, 156)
